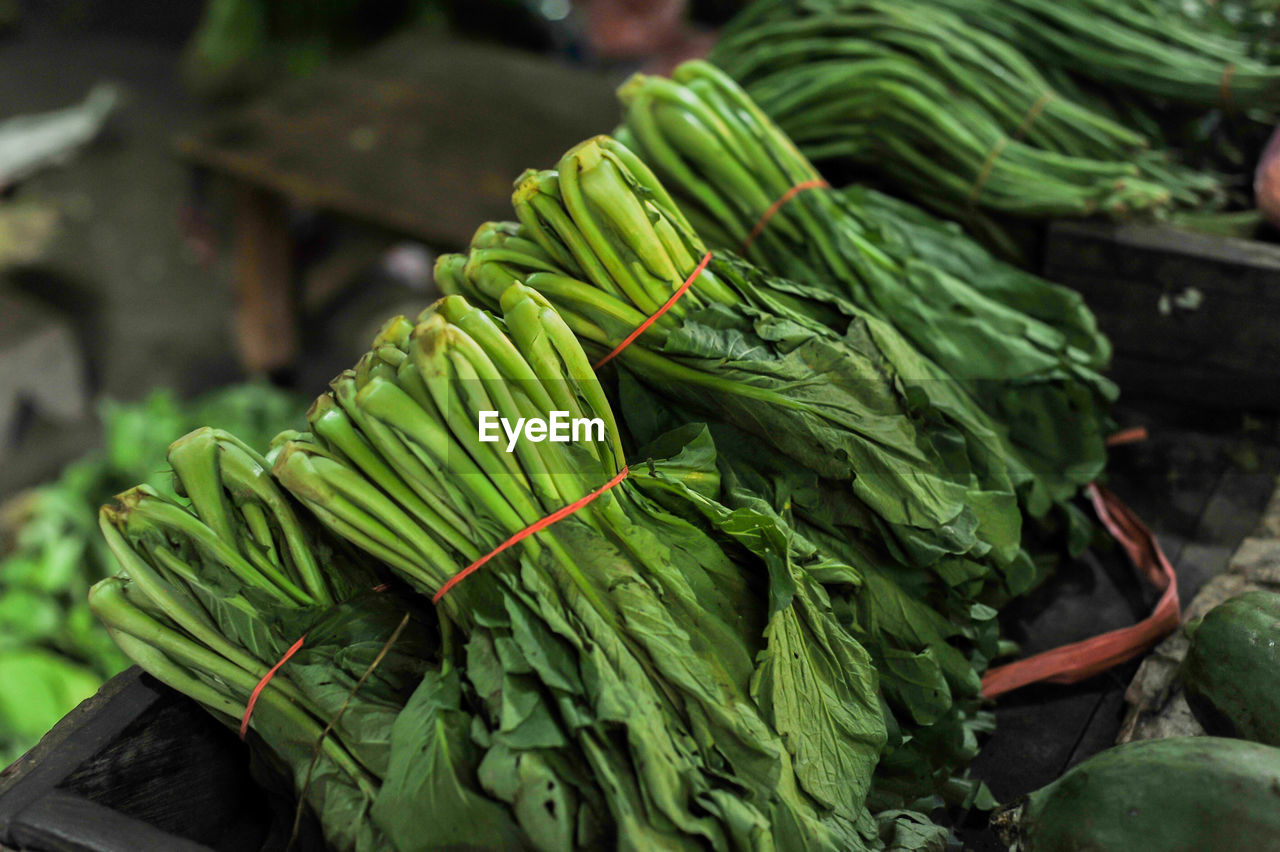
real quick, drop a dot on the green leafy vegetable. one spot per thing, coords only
(827, 423)
(955, 117)
(219, 581)
(1027, 353)
(639, 664)
(48, 636)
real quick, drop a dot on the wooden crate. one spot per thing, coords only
(140, 767)
(1193, 318)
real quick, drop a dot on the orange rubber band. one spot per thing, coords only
(984, 172)
(1080, 660)
(262, 684)
(266, 678)
(1135, 435)
(640, 329)
(538, 526)
(816, 183)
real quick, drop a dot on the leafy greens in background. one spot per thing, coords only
(53, 653)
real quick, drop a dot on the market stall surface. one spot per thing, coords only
(1201, 481)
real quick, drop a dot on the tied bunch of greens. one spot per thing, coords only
(945, 111)
(1255, 22)
(823, 416)
(1025, 351)
(654, 671)
(1198, 76)
(772, 364)
(1208, 55)
(219, 581)
(53, 652)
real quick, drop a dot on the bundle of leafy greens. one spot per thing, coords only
(1208, 56)
(823, 416)
(53, 653)
(656, 670)
(943, 110)
(1026, 352)
(769, 362)
(219, 581)
(1198, 76)
(1253, 22)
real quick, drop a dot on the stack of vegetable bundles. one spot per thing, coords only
(923, 94)
(763, 629)
(655, 671)
(1027, 352)
(862, 443)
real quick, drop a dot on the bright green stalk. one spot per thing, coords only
(392, 407)
(331, 423)
(424, 480)
(196, 623)
(111, 605)
(144, 509)
(323, 482)
(246, 476)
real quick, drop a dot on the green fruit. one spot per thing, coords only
(1232, 671)
(1186, 794)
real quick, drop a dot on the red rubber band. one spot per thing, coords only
(262, 684)
(1127, 436)
(640, 329)
(537, 526)
(816, 183)
(566, 511)
(1080, 660)
(266, 678)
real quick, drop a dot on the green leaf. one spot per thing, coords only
(817, 687)
(430, 797)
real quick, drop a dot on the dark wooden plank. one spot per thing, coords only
(1201, 384)
(1099, 734)
(66, 822)
(422, 135)
(1037, 729)
(134, 763)
(96, 722)
(178, 769)
(1218, 347)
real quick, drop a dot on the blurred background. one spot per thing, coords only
(209, 207)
